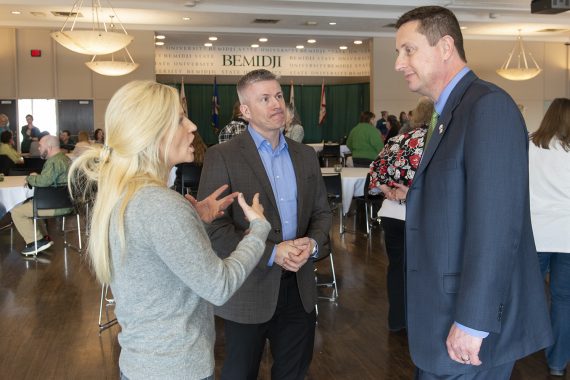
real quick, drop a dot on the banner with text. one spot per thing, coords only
(227, 60)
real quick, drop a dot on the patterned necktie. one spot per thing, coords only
(432, 123)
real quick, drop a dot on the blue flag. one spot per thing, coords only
(215, 122)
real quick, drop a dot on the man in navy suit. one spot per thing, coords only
(475, 298)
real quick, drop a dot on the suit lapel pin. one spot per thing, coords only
(440, 129)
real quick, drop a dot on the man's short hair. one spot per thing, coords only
(5, 137)
(259, 75)
(65, 131)
(434, 23)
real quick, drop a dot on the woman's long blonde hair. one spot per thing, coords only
(140, 123)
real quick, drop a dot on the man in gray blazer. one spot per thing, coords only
(475, 298)
(277, 301)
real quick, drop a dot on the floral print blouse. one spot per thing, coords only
(398, 161)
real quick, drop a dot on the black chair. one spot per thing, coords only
(9, 226)
(189, 175)
(327, 253)
(333, 184)
(107, 301)
(330, 155)
(6, 164)
(49, 198)
(371, 203)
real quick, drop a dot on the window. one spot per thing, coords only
(43, 111)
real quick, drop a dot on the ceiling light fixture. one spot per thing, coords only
(208, 44)
(96, 41)
(520, 70)
(254, 45)
(343, 47)
(186, 18)
(213, 38)
(332, 23)
(263, 39)
(358, 42)
(113, 67)
(16, 12)
(160, 37)
(159, 43)
(311, 41)
(300, 47)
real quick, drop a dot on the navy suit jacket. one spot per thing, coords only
(470, 250)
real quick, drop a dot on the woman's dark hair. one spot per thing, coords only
(394, 126)
(366, 116)
(5, 137)
(97, 132)
(555, 124)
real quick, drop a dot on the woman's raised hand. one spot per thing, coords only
(255, 211)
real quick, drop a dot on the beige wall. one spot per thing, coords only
(389, 90)
(60, 73)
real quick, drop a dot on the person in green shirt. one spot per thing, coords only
(54, 173)
(364, 141)
(7, 148)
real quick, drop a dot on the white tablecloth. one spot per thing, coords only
(352, 184)
(13, 191)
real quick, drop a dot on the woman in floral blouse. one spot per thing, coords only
(397, 164)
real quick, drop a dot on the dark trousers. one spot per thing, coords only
(394, 238)
(291, 335)
(502, 372)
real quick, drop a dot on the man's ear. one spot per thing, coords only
(245, 111)
(447, 46)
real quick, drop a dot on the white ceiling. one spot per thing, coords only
(232, 21)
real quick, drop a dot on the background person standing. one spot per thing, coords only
(549, 171)
(29, 133)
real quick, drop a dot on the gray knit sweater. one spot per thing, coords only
(165, 281)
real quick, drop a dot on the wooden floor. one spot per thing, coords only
(49, 310)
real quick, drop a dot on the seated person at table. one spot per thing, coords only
(82, 145)
(364, 141)
(199, 153)
(99, 136)
(4, 123)
(293, 128)
(7, 149)
(35, 145)
(65, 141)
(54, 173)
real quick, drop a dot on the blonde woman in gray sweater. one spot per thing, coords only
(149, 243)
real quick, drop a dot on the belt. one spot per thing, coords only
(286, 274)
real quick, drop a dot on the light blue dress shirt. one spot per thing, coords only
(439, 106)
(279, 168)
